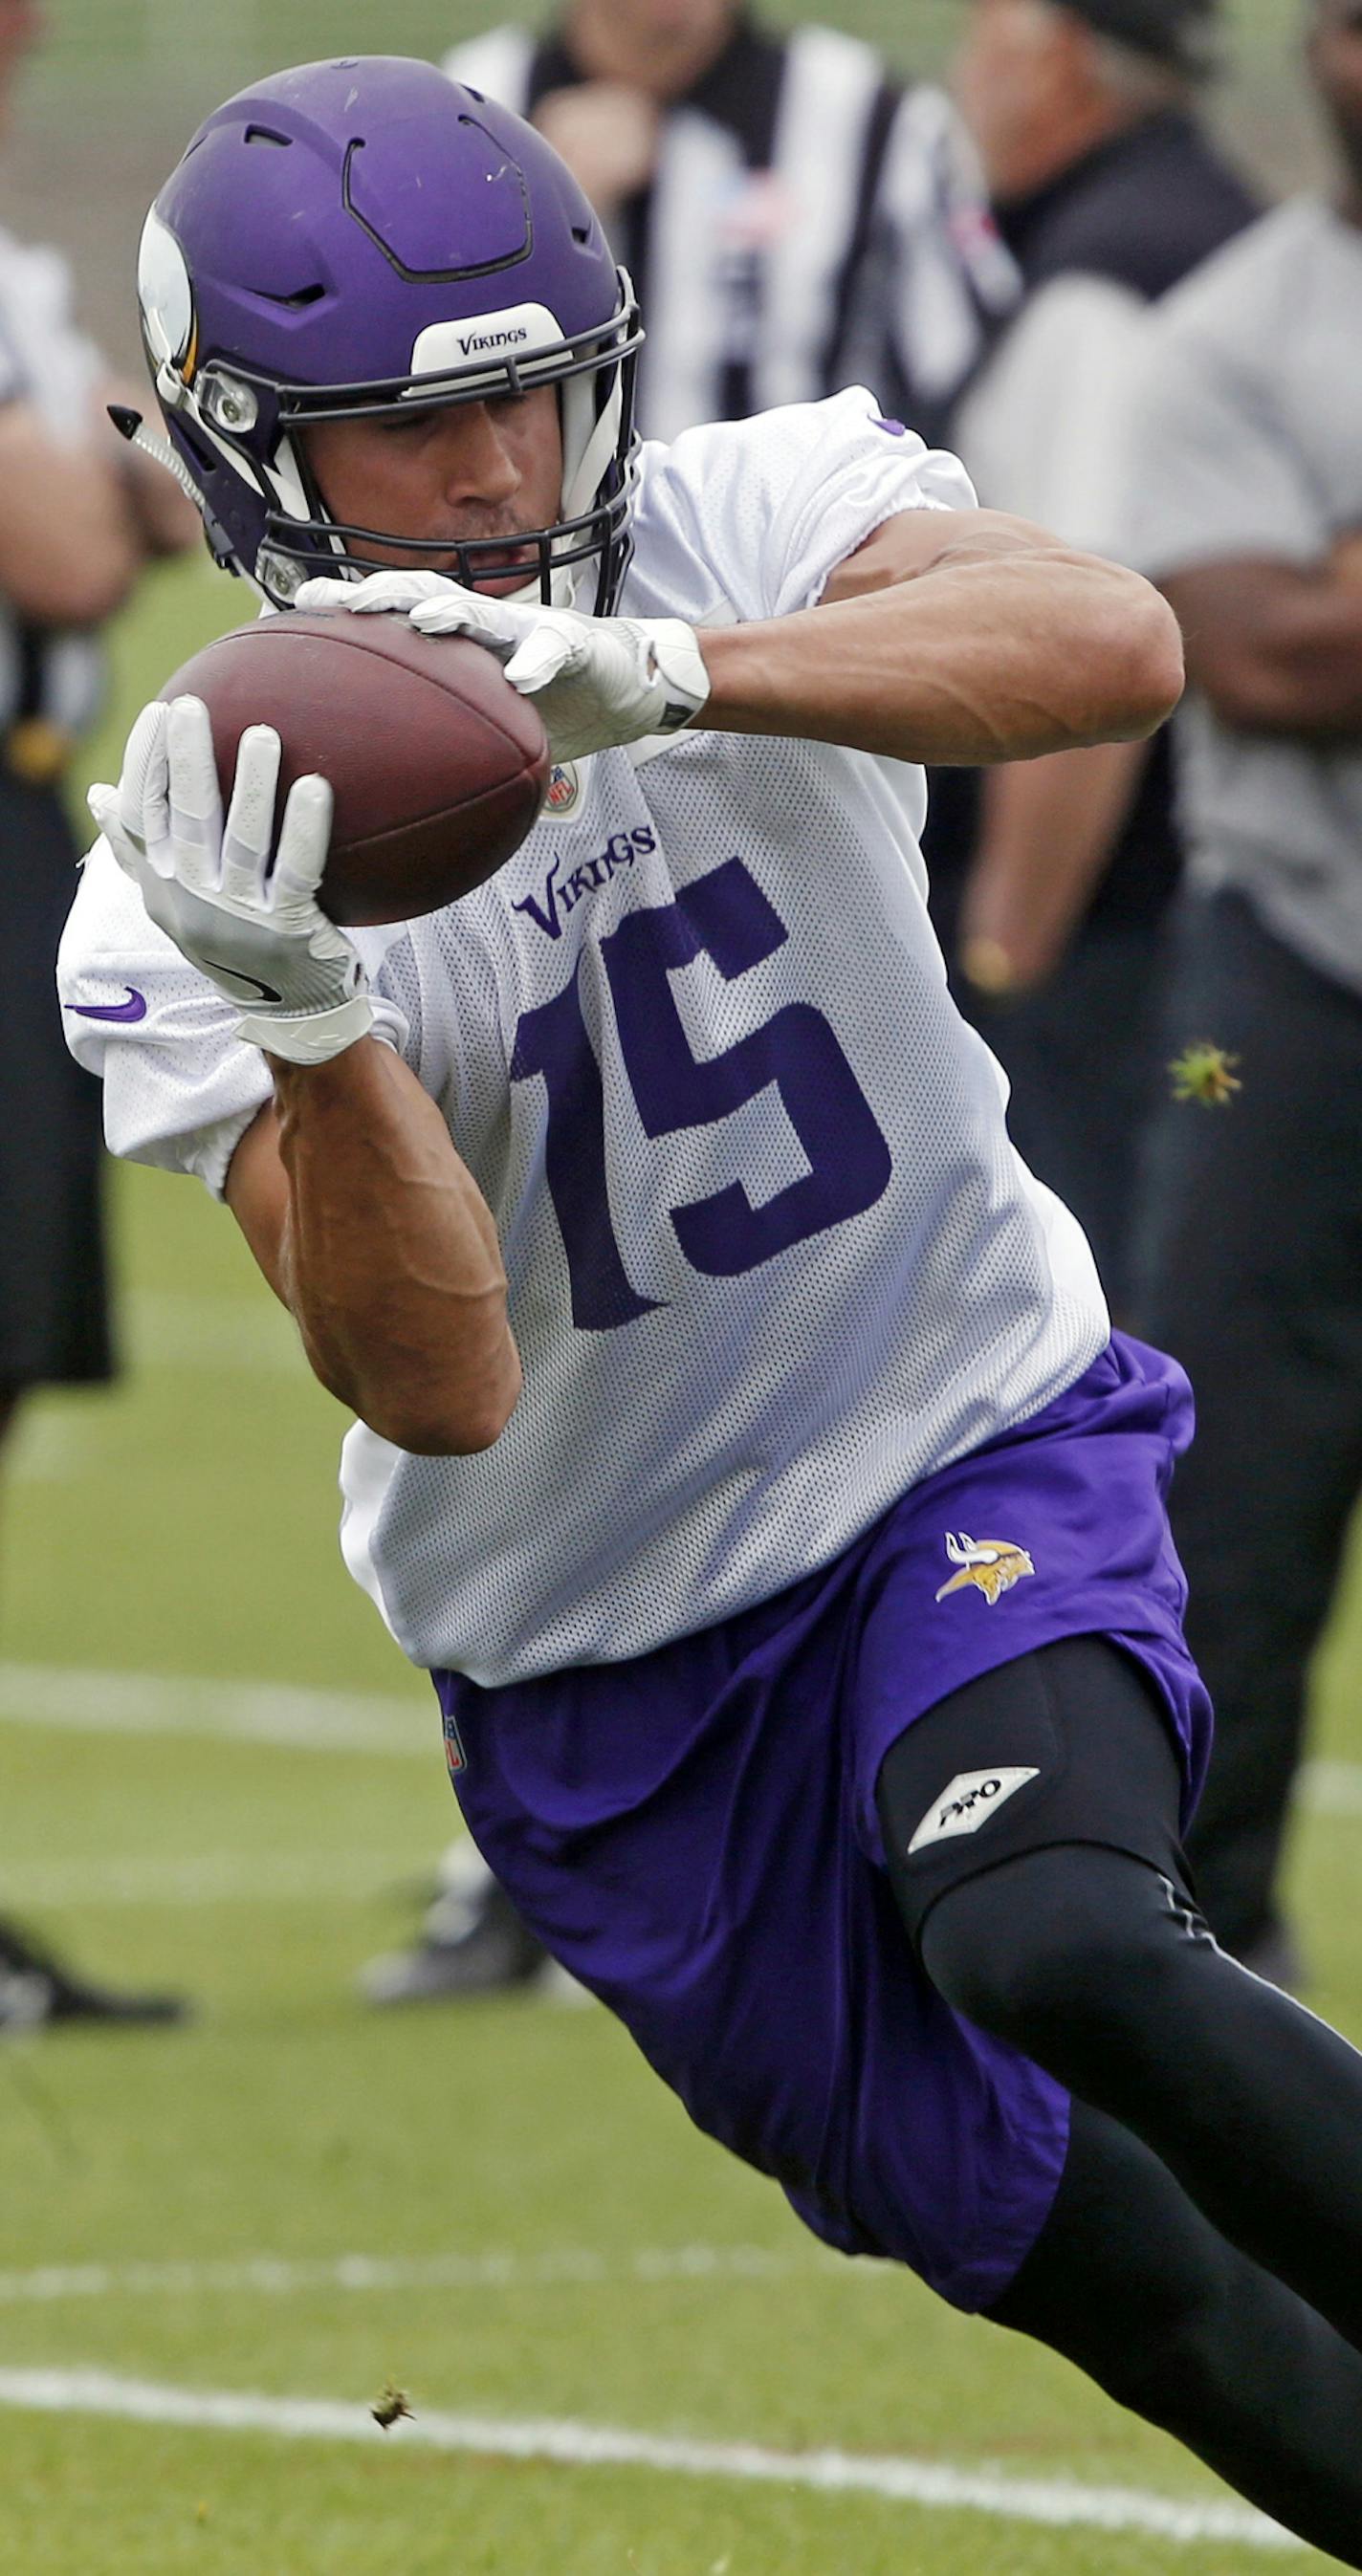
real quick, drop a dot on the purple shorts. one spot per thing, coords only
(693, 1833)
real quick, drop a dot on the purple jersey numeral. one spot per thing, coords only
(727, 918)
(553, 1041)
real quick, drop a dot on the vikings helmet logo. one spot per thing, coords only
(167, 301)
(992, 1565)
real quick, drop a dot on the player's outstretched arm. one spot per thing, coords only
(950, 635)
(367, 1224)
(956, 636)
(348, 1187)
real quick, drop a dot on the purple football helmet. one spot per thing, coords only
(362, 238)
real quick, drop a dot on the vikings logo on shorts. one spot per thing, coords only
(992, 1565)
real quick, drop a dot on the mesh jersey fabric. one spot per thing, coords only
(771, 1256)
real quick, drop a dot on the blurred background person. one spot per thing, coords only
(793, 217)
(1052, 878)
(1247, 508)
(79, 515)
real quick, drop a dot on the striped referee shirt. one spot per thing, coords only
(810, 224)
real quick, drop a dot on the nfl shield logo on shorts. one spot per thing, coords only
(455, 1755)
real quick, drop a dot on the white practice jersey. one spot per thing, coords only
(771, 1256)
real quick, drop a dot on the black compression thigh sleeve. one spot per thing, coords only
(1071, 1744)
(1097, 1965)
(1129, 2281)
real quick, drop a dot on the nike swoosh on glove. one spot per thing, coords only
(598, 682)
(241, 909)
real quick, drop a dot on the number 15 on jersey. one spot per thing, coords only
(726, 917)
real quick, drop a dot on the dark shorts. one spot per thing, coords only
(53, 1293)
(694, 1833)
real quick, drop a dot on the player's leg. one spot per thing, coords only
(1265, 1317)
(1132, 2284)
(715, 1878)
(1045, 1930)
(472, 1942)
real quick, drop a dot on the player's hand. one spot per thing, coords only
(242, 908)
(598, 682)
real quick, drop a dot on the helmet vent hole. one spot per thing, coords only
(204, 457)
(293, 303)
(266, 134)
(581, 232)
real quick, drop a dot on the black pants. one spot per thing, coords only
(53, 1298)
(1251, 1252)
(1203, 2259)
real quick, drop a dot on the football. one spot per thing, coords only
(437, 766)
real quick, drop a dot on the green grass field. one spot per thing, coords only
(496, 2208)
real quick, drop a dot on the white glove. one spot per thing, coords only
(245, 913)
(598, 682)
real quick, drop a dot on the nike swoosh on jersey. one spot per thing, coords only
(135, 1008)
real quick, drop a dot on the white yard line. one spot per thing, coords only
(249, 1336)
(251, 1333)
(46, 1448)
(269, 2276)
(214, 1878)
(315, 1721)
(1332, 1788)
(336, 1721)
(935, 2484)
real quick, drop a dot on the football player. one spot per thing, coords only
(741, 1442)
